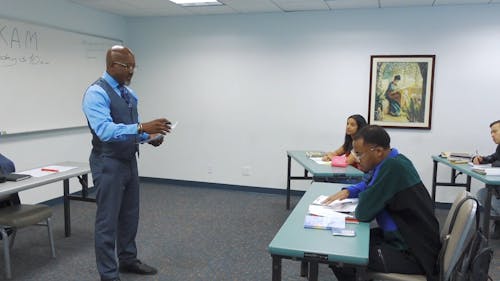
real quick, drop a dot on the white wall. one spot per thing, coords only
(246, 88)
(33, 149)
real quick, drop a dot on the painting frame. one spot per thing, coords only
(401, 90)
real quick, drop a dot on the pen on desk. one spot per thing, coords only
(49, 170)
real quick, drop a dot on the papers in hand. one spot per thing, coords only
(157, 137)
(172, 127)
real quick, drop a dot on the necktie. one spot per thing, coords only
(124, 93)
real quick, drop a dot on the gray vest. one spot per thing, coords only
(121, 112)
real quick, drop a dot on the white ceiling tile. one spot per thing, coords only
(405, 3)
(133, 8)
(350, 4)
(246, 6)
(301, 5)
(459, 2)
(209, 10)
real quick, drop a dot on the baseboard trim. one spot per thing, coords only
(221, 186)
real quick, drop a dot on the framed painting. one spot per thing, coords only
(401, 91)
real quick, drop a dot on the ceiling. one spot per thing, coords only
(149, 8)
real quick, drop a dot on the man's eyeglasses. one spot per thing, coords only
(132, 68)
(358, 155)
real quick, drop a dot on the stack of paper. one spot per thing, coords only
(319, 160)
(488, 171)
(463, 155)
(346, 206)
(315, 154)
(323, 216)
(457, 157)
(479, 166)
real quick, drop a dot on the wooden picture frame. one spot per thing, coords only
(401, 91)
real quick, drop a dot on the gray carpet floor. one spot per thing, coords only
(188, 233)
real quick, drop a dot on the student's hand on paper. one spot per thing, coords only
(158, 126)
(477, 160)
(156, 142)
(341, 195)
(327, 157)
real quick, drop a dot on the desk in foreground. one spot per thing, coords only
(80, 171)
(322, 173)
(314, 246)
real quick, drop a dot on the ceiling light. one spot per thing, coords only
(188, 3)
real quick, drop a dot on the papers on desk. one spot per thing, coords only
(318, 222)
(322, 216)
(347, 205)
(47, 170)
(479, 166)
(457, 157)
(458, 160)
(319, 160)
(315, 154)
(463, 155)
(487, 171)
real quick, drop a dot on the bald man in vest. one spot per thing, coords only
(110, 107)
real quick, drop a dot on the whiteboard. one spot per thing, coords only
(44, 72)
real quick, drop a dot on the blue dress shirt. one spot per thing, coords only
(384, 219)
(96, 106)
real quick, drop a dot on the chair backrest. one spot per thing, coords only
(446, 226)
(462, 230)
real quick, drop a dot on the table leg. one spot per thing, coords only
(434, 181)
(467, 184)
(276, 268)
(313, 271)
(84, 181)
(303, 268)
(487, 210)
(453, 175)
(67, 216)
(288, 182)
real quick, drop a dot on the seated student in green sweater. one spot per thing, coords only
(407, 237)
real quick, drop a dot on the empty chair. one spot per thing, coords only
(461, 232)
(15, 216)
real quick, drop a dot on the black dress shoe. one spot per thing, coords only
(138, 268)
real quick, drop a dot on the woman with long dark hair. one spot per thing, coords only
(354, 124)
